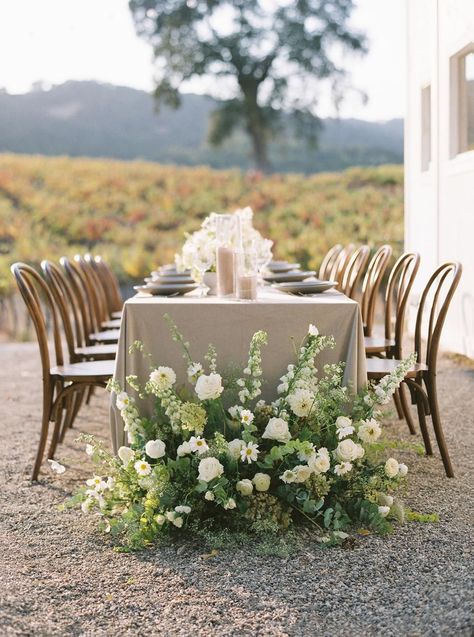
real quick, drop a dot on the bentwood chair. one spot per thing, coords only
(341, 263)
(390, 345)
(421, 378)
(327, 264)
(61, 380)
(88, 305)
(97, 293)
(354, 271)
(371, 286)
(110, 285)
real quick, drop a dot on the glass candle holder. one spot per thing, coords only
(226, 241)
(246, 279)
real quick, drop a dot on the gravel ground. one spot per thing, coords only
(59, 577)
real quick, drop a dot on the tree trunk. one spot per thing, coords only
(255, 123)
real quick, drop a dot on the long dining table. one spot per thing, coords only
(229, 324)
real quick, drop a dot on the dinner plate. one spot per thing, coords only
(166, 278)
(290, 277)
(170, 271)
(166, 289)
(305, 287)
(282, 266)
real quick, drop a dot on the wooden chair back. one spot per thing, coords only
(341, 263)
(95, 290)
(109, 283)
(354, 271)
(80, 289)
(40, 305)
(327, 264)
(371, 285)
(400, 283)
(434, 305)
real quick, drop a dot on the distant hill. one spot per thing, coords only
(101, 120)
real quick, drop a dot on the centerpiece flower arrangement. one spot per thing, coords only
(217, 455)
(203, 241)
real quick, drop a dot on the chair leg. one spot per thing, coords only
(77, 405)
(47, 404)
(424, 429)
(90, 393)
(438, 428)
(61, 413)
(398, 405)
(405, 405)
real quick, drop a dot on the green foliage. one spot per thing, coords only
(414, 516)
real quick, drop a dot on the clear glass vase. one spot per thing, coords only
(227, 240)
(246, 275)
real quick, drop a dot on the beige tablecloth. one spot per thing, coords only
(229, 324)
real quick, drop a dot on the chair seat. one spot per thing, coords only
(380, 367)
(112, 324)
(377, 344)
(98, 351)
(84, 372)
(107, 336)
(117, 315)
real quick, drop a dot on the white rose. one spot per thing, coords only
(277, 429)
(155, 449)
(319, 463)
(301, 402)
(342, 422)
(303, 472)
(369, 430)
(184, 449)
(209, 496)
(163, 377)
(235, 447)
(392, 468)
(209, 387)
(261, 481)
(402, 469)
(347, 450)
(210, 468)
(384, 511)
(125, 454)
(244, 487)
(230, 504)
(313, 330)
(160, 519)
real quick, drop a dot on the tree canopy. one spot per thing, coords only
(265, 57)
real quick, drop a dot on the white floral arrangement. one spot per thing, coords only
(203, 241)
(219, 455)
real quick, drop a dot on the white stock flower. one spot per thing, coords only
(392, 468)
(234, 412)
(342, 468)
(384, 511)
(89, 450)
(56, 467)
(246, 417)
(230, 504)
(261, 481)
(244, 487)
(277, 429)
(194, 371)
(198, 445)
(383, 396)
(249, 452)
(155, 449)
(313, 330)
(126, 454)
(301, 401)
(369, 430)
(344, 427)
(347, 450)
(402, 469)
(209, 387)
(235, 447)
(288, 476)
(183, 508)
(209, 496)
(303, 473)
(122, 401)
(142, 468)
(210, 468)
(163, 377)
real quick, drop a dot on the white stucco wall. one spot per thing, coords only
(439, 202)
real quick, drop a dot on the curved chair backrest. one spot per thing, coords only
(80, 288)
(109, 283)
(67, 304)
(40, 302)
(400, 283)
(354, 270)
(96, 292)
(328, 262)
(438, 294)
(371, 285)
(341, 263)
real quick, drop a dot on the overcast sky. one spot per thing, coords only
(58, 40)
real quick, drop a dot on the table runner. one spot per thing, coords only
(229, 325)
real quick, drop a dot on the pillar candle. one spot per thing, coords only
(225, 271)
(247, 287)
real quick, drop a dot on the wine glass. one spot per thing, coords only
(264, 256)
(201, 258)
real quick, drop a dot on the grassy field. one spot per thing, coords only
(135, 213)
